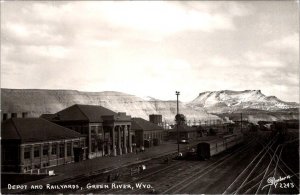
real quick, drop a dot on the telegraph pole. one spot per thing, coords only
(241, 122)
(177, 122)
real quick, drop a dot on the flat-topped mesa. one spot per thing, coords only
(230, 101)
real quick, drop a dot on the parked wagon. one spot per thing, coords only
(213, 147)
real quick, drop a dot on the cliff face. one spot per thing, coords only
(253, 104)
(37, 102)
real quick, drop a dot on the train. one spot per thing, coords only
(206, 149)
(210, 148)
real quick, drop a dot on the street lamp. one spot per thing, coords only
(177, 122)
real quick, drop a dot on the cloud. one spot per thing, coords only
(290, 42)
(262, 60)
(157, 17)
(147, 48)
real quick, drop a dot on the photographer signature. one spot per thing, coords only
(273, 181)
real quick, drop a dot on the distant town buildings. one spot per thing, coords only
(185, 132)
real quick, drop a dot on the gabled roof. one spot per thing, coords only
(81, 112)
(142, 124)
(35, 130)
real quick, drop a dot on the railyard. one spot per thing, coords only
(243, 169)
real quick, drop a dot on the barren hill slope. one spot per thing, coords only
(37, 102)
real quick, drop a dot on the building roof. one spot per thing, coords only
(142, 124)
(35, 130)
(48, 116)
(91, 113)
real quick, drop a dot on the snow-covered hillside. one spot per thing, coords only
(227, 101)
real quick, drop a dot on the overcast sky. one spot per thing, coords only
(152, 48)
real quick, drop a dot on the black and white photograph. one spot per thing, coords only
(150, 97)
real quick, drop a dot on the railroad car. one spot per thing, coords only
(210, 148)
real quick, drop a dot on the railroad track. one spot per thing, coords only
(88, 177)
(182, 185)
(236, 186)
(254, 187)
(252, 182)
(177, 171)
(171, 176)
(136, 179)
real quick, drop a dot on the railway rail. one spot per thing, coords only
(178, 176)
(172, 185)
(252, 182)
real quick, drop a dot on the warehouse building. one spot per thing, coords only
(35, 144)
(107, 132)
(147, 134)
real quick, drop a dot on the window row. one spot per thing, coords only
(155, 135)
(45, 150)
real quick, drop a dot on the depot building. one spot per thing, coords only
(35, 144)
(107, 133)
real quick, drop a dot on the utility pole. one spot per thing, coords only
(177, 122)
(241, 122)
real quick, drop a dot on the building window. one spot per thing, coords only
(54, 149)
(14, 115)
(100, 135)
(84, 129)
(27, 153)
(5, 116)
(45, 164)
(61, 150)
(5, 155)
(93, 130)
(100, 128)
(37, 151)
(76, 144)
(69, 149)
(45, 150)
(93, 145)
(82, 143)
